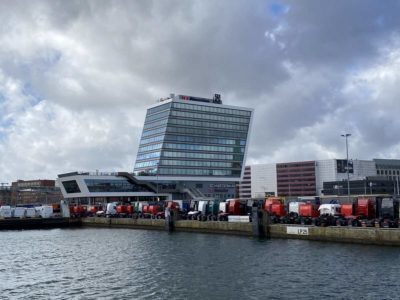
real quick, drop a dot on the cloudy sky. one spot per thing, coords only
(76, 77)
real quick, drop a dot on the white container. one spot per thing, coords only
(5, 212)
(38, 211)
(46, 211)
(19, 212)
(30, 212)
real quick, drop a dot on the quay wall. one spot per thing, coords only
(38, 223)
(376, 236)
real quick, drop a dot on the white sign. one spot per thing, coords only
(297, 230)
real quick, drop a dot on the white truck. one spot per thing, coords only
(30, 212)
(19, 212)
(46, 211)
(329, 209)
(5, 212)
(111, 210)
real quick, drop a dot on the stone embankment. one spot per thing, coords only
(376, 236)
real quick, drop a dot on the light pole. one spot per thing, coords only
(346, 135)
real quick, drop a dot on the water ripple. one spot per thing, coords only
(138, 264)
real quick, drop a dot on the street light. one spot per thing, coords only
(346, 135)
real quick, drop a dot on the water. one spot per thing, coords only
(138, 264)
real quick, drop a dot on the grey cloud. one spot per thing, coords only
(308, 72)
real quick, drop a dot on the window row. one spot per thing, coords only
(105, 185)
(204, 140)
(209, 117)
(212, 109)
(387, 172)
(235, 157)
(192, 139)
(158, 138)
(146, 164)
(150, 118)
(198, 172)
(153, 131)
(195, 163)
(150, 147)
(156, 109)
(202, 148)
(207, 124)
(148, 155)
(155, 124)
(206, 132)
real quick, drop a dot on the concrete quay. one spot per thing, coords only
(38, 223)
(356, 235)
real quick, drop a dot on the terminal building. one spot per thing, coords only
(190, 148)
(322, 177)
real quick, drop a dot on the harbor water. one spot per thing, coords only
(93, 263)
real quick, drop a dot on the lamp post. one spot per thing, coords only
(346, 135)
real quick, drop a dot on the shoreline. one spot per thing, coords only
(360, 235)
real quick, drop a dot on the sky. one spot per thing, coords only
(76, 77)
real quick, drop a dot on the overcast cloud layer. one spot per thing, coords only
(76, 77)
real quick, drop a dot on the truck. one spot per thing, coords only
(5, 212)
(329, 214)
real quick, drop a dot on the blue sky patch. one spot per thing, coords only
(278, 9)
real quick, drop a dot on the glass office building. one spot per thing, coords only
(196, 139)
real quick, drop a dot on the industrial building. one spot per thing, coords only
(323, 177)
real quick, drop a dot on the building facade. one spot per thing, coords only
(99, 188)
(296, 179)
(245, 184)
(197, 143)
(29, 192)
(263, 180)
(325, 177)
(388, 167)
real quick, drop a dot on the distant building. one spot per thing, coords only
(245, 184)
(368, 186)
(324, 177)
(263, 180)
(296, 179)
(5, 195)
(39, 191)
(388, 167)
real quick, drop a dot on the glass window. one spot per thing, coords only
(206, 132)
(106, 185)
(71, 186)
(213, 109)
(158, 108)
(207, 124)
